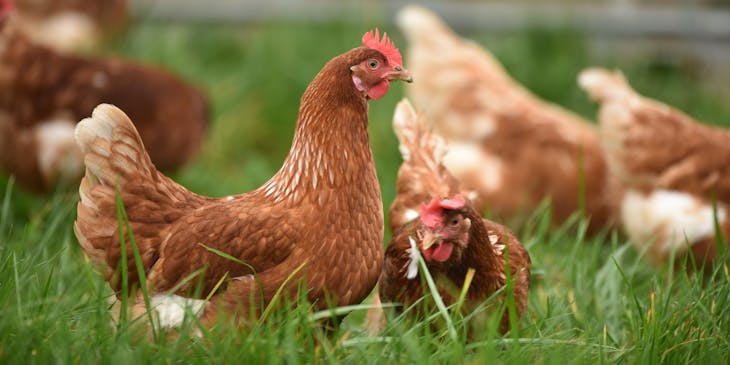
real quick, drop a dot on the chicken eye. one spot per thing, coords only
(455, 221)
(373, 64)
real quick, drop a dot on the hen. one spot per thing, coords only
(318, 219)
(448, 233)
(44, 93)
(671, 165)
(505, 143)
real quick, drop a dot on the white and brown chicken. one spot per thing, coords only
(44, 93)
(672, 166)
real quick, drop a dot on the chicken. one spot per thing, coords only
(672, 167)
(512, 148)
(67, 25)
(44, 93)
(318, 219)
(448, 233)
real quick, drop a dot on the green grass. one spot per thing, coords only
(593, 299)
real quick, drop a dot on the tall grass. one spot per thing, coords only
(593, 299)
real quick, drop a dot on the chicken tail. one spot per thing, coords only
(603, 85)
(112, 149)
(415, 139)
(118, 165)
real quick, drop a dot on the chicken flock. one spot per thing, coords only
(475, 141)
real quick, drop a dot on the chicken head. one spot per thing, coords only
(373, 75)
(445, 231)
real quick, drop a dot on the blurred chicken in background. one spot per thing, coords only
(68, 25)
(672, 166)
(512, 148)
(44, 93)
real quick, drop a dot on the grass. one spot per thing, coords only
(593, 299)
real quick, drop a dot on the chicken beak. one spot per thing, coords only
(400, 73)
(429, 239)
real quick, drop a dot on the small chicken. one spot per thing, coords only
(672, 167)
(318, 220)
(68, 25)
(512, 148)
(44, 93)
(449, 233)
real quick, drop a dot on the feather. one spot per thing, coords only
(412, 271)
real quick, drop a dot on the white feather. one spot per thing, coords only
(668, 216)
(410, 215)
(171, 309)
(58, 155)
(412, 271)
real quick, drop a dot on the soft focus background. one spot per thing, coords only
(592, 298)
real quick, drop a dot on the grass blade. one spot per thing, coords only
(141, 276)
(277, 295)
(437, 298)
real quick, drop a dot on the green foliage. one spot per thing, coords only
(593, 299)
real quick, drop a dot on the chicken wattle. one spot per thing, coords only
(318, 220)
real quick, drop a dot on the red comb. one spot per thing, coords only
(372, 40)
(431, 213)
(456, 203)
(6, 6)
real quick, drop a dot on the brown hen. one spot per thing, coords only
(319, 220)
(44, 93)
(512, 148)
(448, 233)
(671, 165)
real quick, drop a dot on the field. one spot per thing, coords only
(593, 299)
